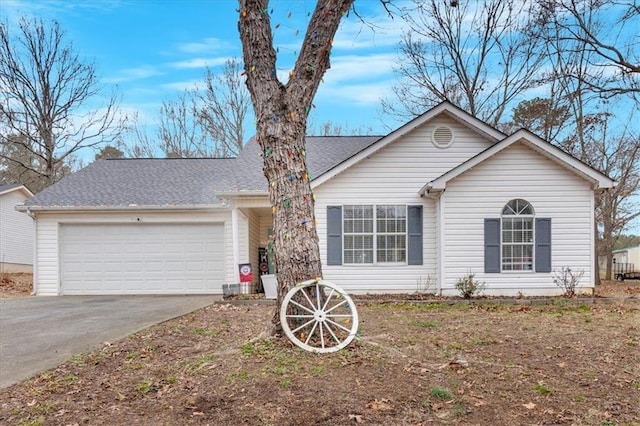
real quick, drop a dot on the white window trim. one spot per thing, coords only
(374, 234)
(533, 241)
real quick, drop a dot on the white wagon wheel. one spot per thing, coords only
(318, 316)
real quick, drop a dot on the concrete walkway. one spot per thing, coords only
(39, 333)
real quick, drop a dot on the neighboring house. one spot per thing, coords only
(442, 196)
(629, 255)
(16, 231)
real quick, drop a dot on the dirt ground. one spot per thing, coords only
(15, 285)
(564, 363)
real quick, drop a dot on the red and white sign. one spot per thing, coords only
(246, 273)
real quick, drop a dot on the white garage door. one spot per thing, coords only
(142, 258)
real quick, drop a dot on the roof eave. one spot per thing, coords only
(132, 207)
(22, 188)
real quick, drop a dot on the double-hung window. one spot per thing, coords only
(517, 236)
(375, 234)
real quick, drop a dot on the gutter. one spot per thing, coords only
(30, 209)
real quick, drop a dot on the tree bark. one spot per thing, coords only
(281, 118)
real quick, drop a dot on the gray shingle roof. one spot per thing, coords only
(184, 182)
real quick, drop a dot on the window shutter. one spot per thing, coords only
(334, 235)
(491, 245)
(543, 245)
(414, 235)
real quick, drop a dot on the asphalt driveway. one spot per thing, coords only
(39, 333)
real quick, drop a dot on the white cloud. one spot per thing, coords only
(209, 44)
(13, 10)
(199, 63)
(360, 67)
(373, 33)
(137, 73)
(365, 94)
(182, 85)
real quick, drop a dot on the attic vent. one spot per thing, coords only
(442, 137)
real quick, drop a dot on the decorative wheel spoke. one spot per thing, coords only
(318, 316)
(302, 307)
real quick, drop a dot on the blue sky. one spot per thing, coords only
(153, 50)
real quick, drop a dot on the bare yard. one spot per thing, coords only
(414, 363)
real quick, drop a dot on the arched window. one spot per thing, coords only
(518, 236)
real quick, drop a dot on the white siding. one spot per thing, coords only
(47, 271)
(553, 191)
(16, 231)
(394, 175)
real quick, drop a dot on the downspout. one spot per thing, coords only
(441, 243)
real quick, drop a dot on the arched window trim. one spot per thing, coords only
(518, 207)
(517, 236)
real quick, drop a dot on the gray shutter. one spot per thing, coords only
(334, 235)
(491, 245)
(414, 235)
(543, 245)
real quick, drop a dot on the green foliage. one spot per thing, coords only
(284, 383)
(441, 393)
(542, 388)
(109, 151)
(262, 348)
(235, 376)
(423, 323)
(146, 386)
(34, 422)
(625, 241)
(469, 287)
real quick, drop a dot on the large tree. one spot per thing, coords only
(50, 100)
(281, 118)
(207, 121)
(223, 108)
(479, 55)
(593, 90)
(606, 33)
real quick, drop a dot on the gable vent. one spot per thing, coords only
(442, 137)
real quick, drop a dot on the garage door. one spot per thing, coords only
(142, 258)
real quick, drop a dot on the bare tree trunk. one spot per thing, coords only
(281, 113)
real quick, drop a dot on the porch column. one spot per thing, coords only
(236, 244)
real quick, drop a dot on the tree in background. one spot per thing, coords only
(606, 31)
(204, 122)
(109, 151)
(281, 118)
(480, 56)
(541, 116)
(592, 84)
(48, 102)
(223, 108)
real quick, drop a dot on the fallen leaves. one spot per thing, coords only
(379, 405)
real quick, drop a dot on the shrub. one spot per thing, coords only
(469, 287)
(567, 280)
(426, 285)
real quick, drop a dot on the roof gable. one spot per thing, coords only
(598, 179)
(445, 108)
